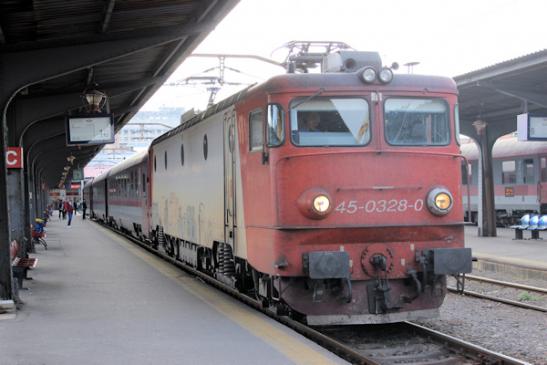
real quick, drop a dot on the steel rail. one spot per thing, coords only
(506, 283)
(496, 299)
(480, 354)
(467, 348)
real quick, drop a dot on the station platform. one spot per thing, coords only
(98, 299)
(527, 256)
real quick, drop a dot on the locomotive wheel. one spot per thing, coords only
(264, 302)
(168, 247)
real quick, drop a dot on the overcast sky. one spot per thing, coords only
(447, 37)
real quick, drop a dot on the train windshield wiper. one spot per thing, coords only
(319, 92)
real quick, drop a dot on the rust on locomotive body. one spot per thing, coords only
(334, 197)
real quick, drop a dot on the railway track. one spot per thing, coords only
(502, 284)
(400, 343)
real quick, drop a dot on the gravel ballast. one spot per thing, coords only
(516, 332)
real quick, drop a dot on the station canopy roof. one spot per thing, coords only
(129, 79)
(497, 94)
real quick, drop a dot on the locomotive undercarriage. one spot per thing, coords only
(378, 300)
(331, 301)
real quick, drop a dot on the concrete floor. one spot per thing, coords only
(97, 299)
(530, 253)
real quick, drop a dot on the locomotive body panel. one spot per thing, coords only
(400, 245)
(188, 191)
(367, 188)
(371, 204)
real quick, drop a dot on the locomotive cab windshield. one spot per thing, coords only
(330, 121)
(416, 122)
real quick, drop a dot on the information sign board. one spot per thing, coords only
(532, 127)
(90, 129)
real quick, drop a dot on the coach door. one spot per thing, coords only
(229, 182)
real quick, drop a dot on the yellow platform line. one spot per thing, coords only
(289, 345)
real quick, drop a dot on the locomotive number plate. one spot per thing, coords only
(379, 206)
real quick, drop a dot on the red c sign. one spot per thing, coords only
(14, 158)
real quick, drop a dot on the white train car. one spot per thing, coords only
(99, 205)
(128, 194)
(520, 178)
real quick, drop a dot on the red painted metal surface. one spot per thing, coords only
(399, 244)
(378, 194)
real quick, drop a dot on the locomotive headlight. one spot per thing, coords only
(315, 203)
(321, 203)
(368, 75)
(439, 201)
(386, 75)
(443, 201)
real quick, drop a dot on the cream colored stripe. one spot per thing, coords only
(525, 263)
(289, 345)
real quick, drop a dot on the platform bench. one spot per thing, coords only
(20, 265)
(533, 223)
(523, 226)
(518, 233)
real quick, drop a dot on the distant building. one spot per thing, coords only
(135, 136)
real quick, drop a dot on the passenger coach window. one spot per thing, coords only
(543, 169)
(143, 183)
(276, 130)
(508, 172)
(329, 121)
(528, 175)
(416, 122)
(256, 137)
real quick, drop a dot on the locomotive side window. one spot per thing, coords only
(329, 121)
(416, 122)
(457, 123)
(256, 137)
(508, 172)
(276, 130)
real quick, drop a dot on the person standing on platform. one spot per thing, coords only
(69, 210)
(60, 206)
(64, 208)
(84, 208)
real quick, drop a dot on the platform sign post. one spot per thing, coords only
(14, 157)
(532, 127)
(77, 175)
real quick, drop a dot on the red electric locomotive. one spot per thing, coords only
(333, 196)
